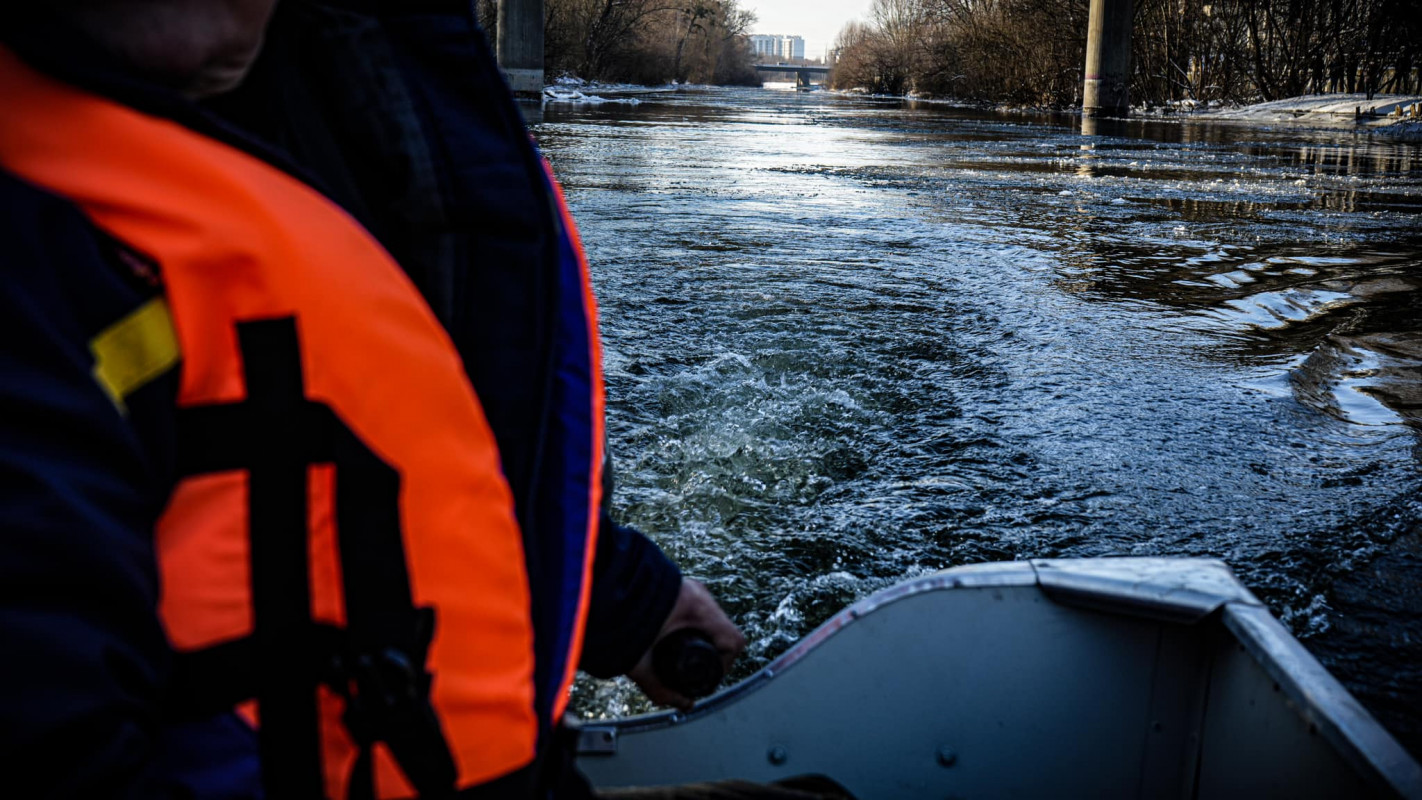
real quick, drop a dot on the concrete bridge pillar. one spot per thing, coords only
(520, 44)
(1108, 59)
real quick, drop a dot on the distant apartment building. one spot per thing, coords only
(778, 48)
(792, 48)
(763, 46)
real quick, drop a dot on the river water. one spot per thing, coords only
(850, 341)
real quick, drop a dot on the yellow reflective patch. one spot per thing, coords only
(133, 351)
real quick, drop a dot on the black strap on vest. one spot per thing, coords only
(378, 662)
(389, 637)
(289, 738)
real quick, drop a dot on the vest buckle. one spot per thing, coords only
(387, 693)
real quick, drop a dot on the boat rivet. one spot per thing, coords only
(946, 756)
(777, 755)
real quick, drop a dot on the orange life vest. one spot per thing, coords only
(342, 497)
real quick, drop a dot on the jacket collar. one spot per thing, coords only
(62, 51)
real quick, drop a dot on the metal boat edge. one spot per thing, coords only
(1184, 591)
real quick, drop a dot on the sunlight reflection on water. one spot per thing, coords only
(850, 341)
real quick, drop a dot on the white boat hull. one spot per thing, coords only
(1103, 678)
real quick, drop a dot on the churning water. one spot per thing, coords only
(850, 341)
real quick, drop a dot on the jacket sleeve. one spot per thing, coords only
(83, 650)
(634, 589)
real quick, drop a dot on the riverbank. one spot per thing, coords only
(1395, 116)
(576, 91)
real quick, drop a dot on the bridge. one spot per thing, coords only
(1108, 54)
(804, 73)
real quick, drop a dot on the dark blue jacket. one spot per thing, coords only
(401, 117)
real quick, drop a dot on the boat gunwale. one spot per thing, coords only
(1176, 591)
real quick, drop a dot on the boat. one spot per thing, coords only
(1092, 678)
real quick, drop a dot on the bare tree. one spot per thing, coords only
(649, 41)
(1032, 51)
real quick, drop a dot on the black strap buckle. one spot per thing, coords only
(387, 694)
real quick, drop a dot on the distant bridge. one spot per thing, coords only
(804, 73)
(1105, 92)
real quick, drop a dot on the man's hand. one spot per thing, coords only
(695, 608)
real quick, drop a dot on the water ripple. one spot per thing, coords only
(851, 341)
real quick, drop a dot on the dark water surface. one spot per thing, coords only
(852, 341)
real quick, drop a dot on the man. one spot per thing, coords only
(314, 511)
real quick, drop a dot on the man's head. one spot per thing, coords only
(199, 47)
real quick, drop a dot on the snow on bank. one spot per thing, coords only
(581, 92)
(1344, 108)
(553, 94)
(1397, 116)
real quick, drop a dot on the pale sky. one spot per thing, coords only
(818, 21)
